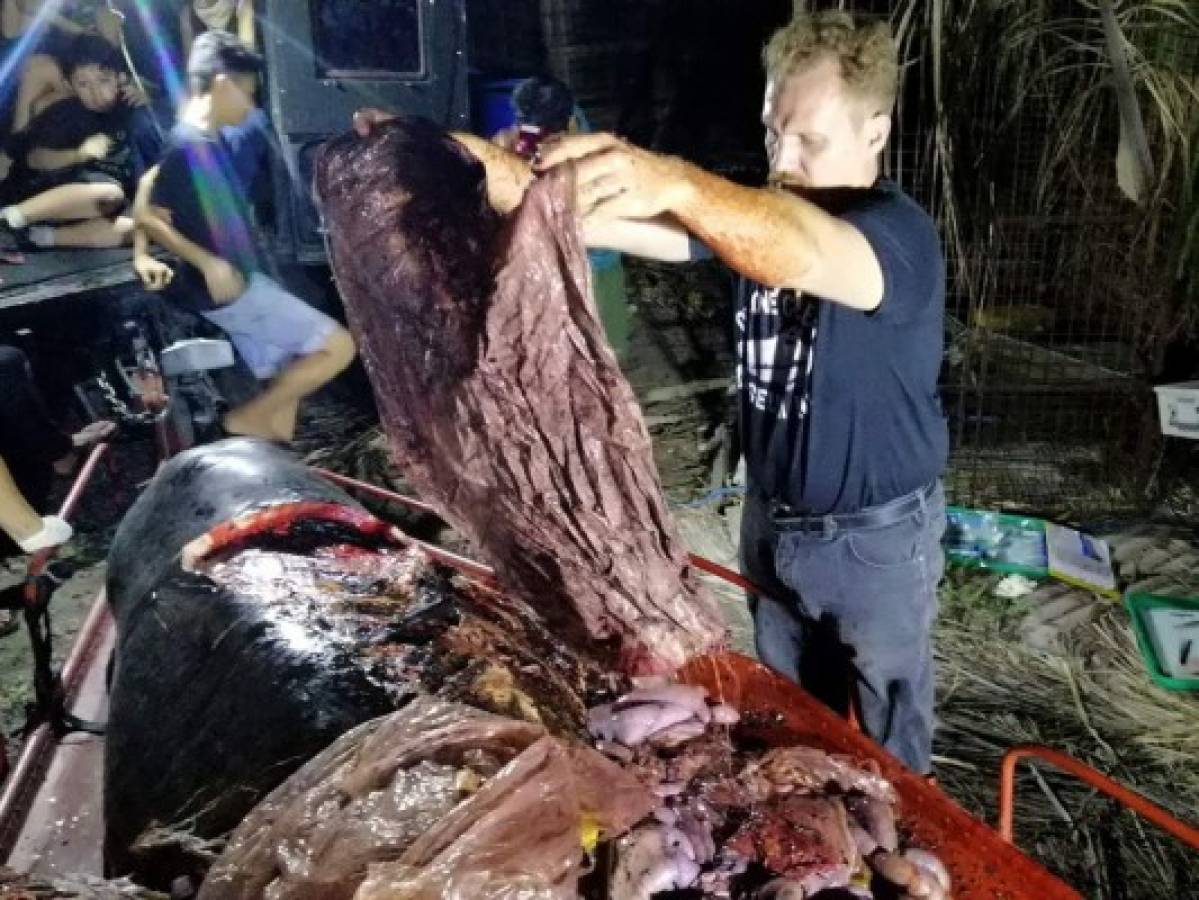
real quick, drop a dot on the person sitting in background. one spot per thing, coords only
(40, 78)
(79, 160)
(544, 108)
(32, 451)
(198, 16)
(193, 204)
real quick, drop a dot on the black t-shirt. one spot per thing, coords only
(198, 182)
(67, 124)
(839, 407)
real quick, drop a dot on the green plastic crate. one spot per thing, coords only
(1137, 605)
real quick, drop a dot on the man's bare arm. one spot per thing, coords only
(662, 239)
(154, 273)
(166, 235)
(141, 208)
(781, 240)
(509, 176)
(224, 282)
(771, 236)
(141, 243)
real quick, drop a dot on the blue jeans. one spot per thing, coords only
(854, 608)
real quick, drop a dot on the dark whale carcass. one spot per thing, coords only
(261, 613)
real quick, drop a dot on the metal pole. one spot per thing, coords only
(375, 491)
(700, 562)
(42, 558)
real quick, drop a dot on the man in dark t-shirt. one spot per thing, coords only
(839, 326)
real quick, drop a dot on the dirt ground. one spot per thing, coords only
(71, 605)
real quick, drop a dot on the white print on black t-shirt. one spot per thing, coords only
(776, 336)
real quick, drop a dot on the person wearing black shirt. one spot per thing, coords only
(193, 204)
(35, 43)
(78, 161)
(839, 324)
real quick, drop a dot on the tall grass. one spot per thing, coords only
(1028, 104)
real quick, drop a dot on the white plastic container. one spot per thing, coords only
(1178, 409)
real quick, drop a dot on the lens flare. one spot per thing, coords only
(220, 193)
(27, 43)
(168, 64)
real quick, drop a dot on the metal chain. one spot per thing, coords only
(119, 408)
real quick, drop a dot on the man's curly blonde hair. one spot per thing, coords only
(867, 53)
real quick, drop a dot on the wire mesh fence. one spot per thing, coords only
(1060, 301)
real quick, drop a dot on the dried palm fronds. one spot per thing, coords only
(1029, 107)
(1095, 703)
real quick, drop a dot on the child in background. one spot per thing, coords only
(40, 76)
(193, 204)
(79, 160)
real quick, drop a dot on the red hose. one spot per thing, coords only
(700, 562)
(1180, 830)
(39, 560)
